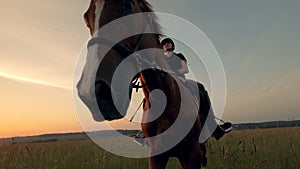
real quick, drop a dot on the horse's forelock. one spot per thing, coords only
(93, 15)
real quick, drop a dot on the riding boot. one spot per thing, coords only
(205, 108)
(221, 130)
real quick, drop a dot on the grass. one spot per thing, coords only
(245, 149)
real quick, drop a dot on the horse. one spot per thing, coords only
(100, 94)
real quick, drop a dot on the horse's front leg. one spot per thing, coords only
(157, 162)
(193, 158)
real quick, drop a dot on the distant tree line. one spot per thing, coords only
(272, 124)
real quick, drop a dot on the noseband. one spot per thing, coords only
(122, 51)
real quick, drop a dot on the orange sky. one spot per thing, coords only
(40, 41)
(28, 108)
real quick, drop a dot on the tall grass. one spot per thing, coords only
(247, 149)
(256, 149)
(63, 155)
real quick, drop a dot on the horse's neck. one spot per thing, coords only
(155, 79)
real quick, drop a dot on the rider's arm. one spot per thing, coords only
(184, 68)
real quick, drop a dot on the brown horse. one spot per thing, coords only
(160, 129)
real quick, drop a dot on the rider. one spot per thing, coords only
(178, 64)
(177, 61)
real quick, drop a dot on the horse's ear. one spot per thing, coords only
(85, 16)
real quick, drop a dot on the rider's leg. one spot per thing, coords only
(206, 113)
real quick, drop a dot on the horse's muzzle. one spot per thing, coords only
(105, 102)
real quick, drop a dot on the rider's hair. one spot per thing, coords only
(168, 40)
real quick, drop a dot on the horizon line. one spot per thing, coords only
(76, 132)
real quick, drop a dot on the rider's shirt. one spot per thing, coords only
(175, 62)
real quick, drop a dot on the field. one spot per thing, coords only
(240, 149)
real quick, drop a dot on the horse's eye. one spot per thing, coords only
(128, 6)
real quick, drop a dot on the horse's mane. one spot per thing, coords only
(146, 7)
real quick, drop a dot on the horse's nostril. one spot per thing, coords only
(105, 102)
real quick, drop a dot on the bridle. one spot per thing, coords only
(128, 8)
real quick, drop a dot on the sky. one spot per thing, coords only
(258, 43)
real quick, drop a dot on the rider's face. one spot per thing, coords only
(167, 46)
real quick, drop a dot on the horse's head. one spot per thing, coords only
(94, 87)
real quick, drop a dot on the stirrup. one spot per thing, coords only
(226, 126)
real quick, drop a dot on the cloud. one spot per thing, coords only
(34, 81)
